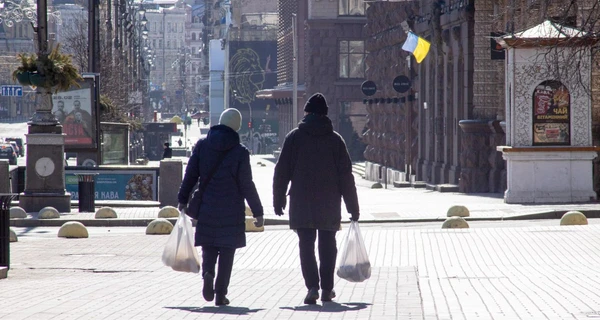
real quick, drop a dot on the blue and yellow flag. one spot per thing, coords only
(416, 45)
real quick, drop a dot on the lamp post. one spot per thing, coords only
(45, 172)
(138, 56)
(182, 62)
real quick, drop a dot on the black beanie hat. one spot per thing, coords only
(316, 104)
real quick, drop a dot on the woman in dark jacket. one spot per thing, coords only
(221, 218)
(315, 160)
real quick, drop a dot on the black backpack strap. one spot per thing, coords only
(202, 185)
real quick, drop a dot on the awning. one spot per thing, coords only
(279, 92)
(200, 114)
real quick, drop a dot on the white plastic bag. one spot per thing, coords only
(354, 264)
(180, 253)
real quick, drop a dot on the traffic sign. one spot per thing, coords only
(401, 84)
(12, 91)
(368, 88)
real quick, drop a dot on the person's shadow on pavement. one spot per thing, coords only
(330, 307)
(220, 310)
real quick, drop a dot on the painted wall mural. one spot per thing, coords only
(252, 67)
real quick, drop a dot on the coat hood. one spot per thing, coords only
(222, 137)
(316, 125)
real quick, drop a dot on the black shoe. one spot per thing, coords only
(328, 295)
(312, 296)
(221, 300)
(208, 291)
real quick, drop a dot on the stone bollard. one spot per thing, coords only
(13, 236)
(105, 213)
(573, 218)
(169, 181)
(17, 213)
(48, 213)
(168, 212)
(458, 211)
(455, 222)
(73, 229)
(159, 226)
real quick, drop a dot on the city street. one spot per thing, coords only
(499, 268)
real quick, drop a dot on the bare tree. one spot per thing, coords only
(577, 20)
(113, 83)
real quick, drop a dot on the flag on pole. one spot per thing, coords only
(416, 45)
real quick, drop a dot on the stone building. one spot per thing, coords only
(445, 129)
(15, 39)
(331, 54)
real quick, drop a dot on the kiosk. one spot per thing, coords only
(549, 148)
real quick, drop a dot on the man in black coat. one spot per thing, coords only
(168, 153)
(221, 227)
(315, 160)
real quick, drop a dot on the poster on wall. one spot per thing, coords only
(75, 110)
(117, 185)
(551, 114)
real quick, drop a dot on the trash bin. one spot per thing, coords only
(87, 192)
(5, 199)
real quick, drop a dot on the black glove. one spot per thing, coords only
(279, 211)
(182, 207)
(260, 221)
(280, 206)
(354, 216)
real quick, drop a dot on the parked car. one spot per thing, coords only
(7, 152)
(19, 142)
(15, 147)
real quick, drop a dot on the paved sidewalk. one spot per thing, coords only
(418, 273)
(377, 205)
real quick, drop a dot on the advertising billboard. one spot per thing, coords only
(252, 67)
(117, 185)
(75, 109)
(551, 114)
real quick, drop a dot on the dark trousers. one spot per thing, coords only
(327, 255)
(209, 260)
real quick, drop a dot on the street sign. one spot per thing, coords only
(368, 88)
(12, 91)
(401, 84)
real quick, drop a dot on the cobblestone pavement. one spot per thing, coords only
(535, 272)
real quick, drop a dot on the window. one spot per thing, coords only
(193, 36)
(351, 8)
(169, 27)
(352, 59)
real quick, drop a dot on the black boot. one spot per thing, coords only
(327, 295)
(221, 300)
(312, 296)
(208, 290)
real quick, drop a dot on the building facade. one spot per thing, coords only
(445, 129)
(331, 60)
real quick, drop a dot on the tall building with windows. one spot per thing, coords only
(331, 59)
(167, 39)
(251, 65)
(14, 40)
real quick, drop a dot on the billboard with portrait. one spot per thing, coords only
(75, 110)
(252, 67)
